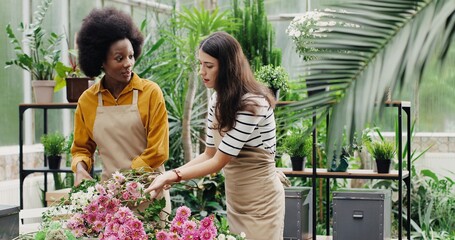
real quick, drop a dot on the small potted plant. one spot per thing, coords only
(54, 146)
(299, 147)
(383, 152)
(71, 77)
(43, 57)
(276, 78)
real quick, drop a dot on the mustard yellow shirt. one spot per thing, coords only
(153, 114)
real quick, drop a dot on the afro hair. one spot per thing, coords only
(99, 30)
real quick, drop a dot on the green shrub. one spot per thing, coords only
(297, 144)
(382, 150)
(54, 144)
(273, 77)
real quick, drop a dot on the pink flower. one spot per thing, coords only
(126, 196)
(98, 226)
(161, 235)
(100, 188)
(132, 186)
(183, 212)
(90, 217)
(118, 177)
(78, 232)
(135, 224)
(206, 223)
(189, 227)
(206, 234)
(113, 187)
(177, 223)
(102, 200)
(113, 205)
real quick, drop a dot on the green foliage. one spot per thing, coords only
(63, 71)
(297, 144)
(54, 144)
(54, 231)
(44, 53)
(203, 196)
(382, 150)
(172, 64)
(273, 77)
(433, 206)
(364, 56)
(256, 36)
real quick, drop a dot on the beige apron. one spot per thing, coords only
(254, 194)
(120, 136)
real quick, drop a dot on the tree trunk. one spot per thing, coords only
(187, 112)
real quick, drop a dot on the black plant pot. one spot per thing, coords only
(298, 163)
(54, 162)
(383, 166)
(276, 93)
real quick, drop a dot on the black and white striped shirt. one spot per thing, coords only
(253, 130)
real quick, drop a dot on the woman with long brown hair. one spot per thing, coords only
(240, 140)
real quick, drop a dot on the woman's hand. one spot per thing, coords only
(160, 183)
(81, 173)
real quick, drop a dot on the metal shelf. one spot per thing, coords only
(23, 173)
(397, 175)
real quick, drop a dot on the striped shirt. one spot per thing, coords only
(252, 130)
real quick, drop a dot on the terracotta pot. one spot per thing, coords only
(383, 166)
(43, 90)
(54, 162)
(75, 87)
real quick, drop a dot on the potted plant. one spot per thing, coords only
(274, 77)
(54, 146)
(383, 152)
(299, 147)
(43, 57)
(71, 77)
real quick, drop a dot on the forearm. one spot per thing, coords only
(200, 167)
(199, 159)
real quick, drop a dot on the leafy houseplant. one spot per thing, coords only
(383, 152)
(44, 52)
(71, 77)
(299, 147)
(276, 78)
(54, 147)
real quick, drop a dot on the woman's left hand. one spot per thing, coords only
(159, 184)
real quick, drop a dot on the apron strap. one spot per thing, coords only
(100, 99)
(135, 94)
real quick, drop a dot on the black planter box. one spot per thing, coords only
(9, 221)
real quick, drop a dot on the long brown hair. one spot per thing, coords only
(235, 79)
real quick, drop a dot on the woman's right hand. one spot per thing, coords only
(81, 173)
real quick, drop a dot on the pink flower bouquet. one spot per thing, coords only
(109, 210)
(185, 228)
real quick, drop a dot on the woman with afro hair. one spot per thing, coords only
(122, 115)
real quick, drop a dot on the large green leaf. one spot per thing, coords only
(389, 48)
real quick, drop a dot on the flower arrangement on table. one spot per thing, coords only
(114, 209)
(185, 227)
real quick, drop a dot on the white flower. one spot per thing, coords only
(221, 237)
(243, 235)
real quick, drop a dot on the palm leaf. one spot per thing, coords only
(389, 48)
